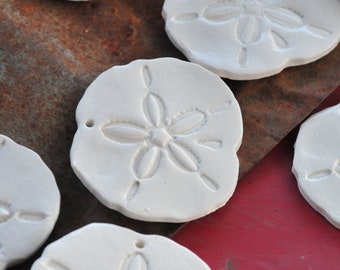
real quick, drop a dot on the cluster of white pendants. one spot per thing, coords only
(157, 140)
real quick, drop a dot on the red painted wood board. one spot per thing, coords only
(267, 224)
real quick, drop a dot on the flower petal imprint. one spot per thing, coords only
(29, 202)
(163, 142)
(114, 247)
(252, 39)
(317, 162)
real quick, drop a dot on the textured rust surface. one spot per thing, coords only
(51, 50)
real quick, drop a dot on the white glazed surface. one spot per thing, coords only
(317, 162)
(29, 202)
(106, 247)
(157, 140)
(251, 39)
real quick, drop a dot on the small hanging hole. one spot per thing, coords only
(140, 244)
(89, 123)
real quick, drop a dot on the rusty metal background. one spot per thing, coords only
(51, 50)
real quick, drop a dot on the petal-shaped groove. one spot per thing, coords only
(154, 109)
(147, 162)
(337, 167)
(220, 108)
(132, 191)
(212, 144)
(187, 123)
(284, 17)
(208, 182)
(136, 261)
(249, 29)
(30, 215)
(183, 158)
(50, 264)
(5, 212)
(318, 31)
(124, 132)
(185, 17)
(242, 56)
(319, 174)
(146, 76)
(2, 143)
(278, 41)
(221, 12)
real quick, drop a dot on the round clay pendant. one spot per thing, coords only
(157, 140)
(252, 39)
(29, 202)
(106, 247)
(317, 162)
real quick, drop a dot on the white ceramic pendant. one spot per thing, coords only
(157, 140)
(29, 202)
(251, 39)
(106, 247)
(317, 162)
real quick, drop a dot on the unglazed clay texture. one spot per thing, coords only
(157, 140)
(29, 202)
(317, 162)
(106, 247)
(251, 39)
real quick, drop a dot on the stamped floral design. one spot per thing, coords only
(135, 261)
(159, 136)
(321, 174)
(23, 215)
(251, 16)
